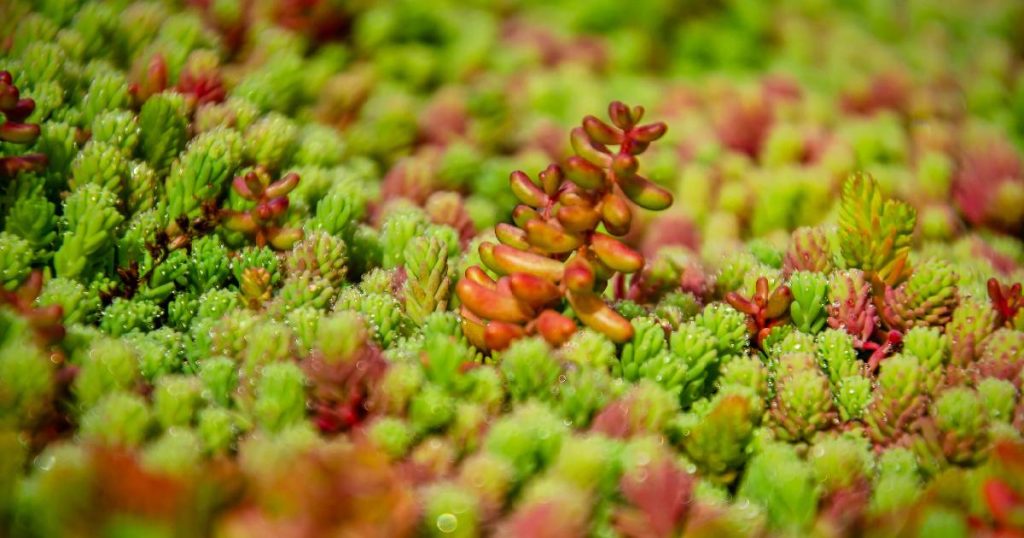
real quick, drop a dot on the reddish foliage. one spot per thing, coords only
(1006, 300)
(342, 489)
(554, 250)
(886, 91)
(13, 129)
(341, 387)
(262, 222)
(552, 49)
(1003, 492)
(670, 230)
(201, 85)
(45, 321)
(613, 420)
(444, 119)
(843, 510)
(148, 78)
(541, 521)
(412, 177)
(659, 495)
(319, 19)
(884, 345)
(233, 31)
(743, 124)
(764, 310)
(446, 207)
(1002, 263)
(983, 167)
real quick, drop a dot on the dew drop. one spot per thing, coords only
(447, 523)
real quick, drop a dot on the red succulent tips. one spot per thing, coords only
(765, 310)
(15, 110)
(262, 221)
(1006, 300)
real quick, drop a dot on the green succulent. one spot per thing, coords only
(175, 399)
(87, 240)
(998, 397)
(841, 461)
(585, 393)
(647, 344)
(530, 370)
(270, 141)
(103, 164)
(399, 227)
(280, 397)
(971, 323)
(26, 383)
(176, 453)
(14, 261)
(118, 128)
(527, 439)
(803, 399)
(716, 433)
(689, 368)
(427, 281)
(119, 419)
(202, 172)
(836, 354)
(219, 378)
(127, 315)
(589, 348)
(784, 485)
(217, 429)
(809, 296)
(108, 365)
(163, 130)
(728, 326)
(383, 313)
(431, 409)
(32, 218)
(321, 254)
(874, 232)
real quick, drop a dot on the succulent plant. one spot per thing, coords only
(558, 217)
(765, 309)
(875, 232)
(1001, 355)
(898, 401)
(262, 222)
(427, 282)
(783, 483)
(850, 306)
(15, 111)
(822, 337)
(973, 321)
(803, 398)
(716, 434)
(954, 433)
(927, 298)
(809, 251)
(1007, 301)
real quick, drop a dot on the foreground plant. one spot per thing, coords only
(554, 251)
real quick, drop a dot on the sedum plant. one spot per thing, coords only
(554, 250)
(801, 316)
(15, 130)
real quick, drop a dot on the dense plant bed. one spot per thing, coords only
(321, 268)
